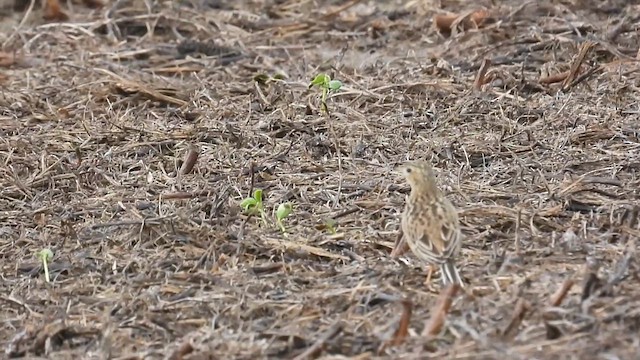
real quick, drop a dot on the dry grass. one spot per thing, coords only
(539, 150)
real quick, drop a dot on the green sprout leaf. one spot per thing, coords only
(331, 225)
(265, 79)
(261, 78)
(321, 80)
(253, 205)
(257, 194)
(46, 255)
(248, 203)
(335, 85)
(324, 82)
(283, 211)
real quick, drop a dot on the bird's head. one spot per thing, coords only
(419, 174)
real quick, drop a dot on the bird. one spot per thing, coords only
(429, 224)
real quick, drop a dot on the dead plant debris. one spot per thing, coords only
(131, 131)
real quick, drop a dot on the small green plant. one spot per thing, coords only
(264, 79)
(324, 82)
(284, 210)
(46, 255)
(253, 205)
(331, 225)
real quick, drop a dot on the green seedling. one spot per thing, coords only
(324, 82)
(282, 212)
(253, 205)
(46, 256)
(331, 225)
(264, 79)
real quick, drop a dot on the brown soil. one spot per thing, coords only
(528, 111)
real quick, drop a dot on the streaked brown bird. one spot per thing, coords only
(430, 225)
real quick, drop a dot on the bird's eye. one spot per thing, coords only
(408, 170)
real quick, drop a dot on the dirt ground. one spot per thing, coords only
(528, 111)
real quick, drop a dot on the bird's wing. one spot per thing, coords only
(417, 234)
(439, 251)
(426, 247)
(443, 231)
(437, 235)
(451, 235)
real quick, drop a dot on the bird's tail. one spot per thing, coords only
(450, 274)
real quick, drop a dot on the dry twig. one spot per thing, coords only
(440, 311)
(190, 160)
(559, 295)
(468, 20)
(481, 75)
(520, 311)
(576, 64)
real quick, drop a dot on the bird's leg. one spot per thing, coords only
(400, 246)
(427, 281)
